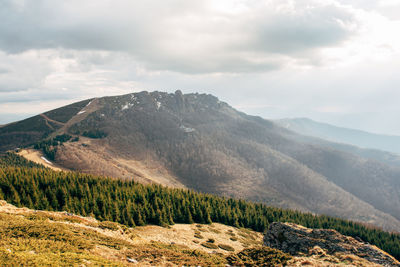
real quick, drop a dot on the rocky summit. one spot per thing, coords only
(298, 240)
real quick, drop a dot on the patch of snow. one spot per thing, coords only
(81, 112)
(186, 129)
(89, 103)
(131, 260)
(43, 158)
(158, 105)
(127, 105)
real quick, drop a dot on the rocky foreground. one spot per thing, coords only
(43, 238)
(299, 241)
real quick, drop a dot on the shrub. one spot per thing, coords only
(259, 256)
(94, 134)
(198, 235)
(226, 247)
(214, 230)
(209, 245)
(108, 225)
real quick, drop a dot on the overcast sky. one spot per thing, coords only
(333, 61)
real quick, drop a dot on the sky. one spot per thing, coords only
(334, 61)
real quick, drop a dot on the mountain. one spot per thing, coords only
(34, 234)
(333, 133)
(196, 141)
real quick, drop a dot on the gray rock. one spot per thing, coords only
(297, 240)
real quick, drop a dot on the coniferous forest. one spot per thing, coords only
(27, 184)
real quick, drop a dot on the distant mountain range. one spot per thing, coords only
(342, 135)
(196, 141)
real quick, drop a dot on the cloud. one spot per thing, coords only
(182, 36)
(23, 71)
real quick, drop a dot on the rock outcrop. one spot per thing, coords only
(298, 240)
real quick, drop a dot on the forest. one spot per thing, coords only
(26, 184)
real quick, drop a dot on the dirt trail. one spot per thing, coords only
(91, 107)
(51, 120)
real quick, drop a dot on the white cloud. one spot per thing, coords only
(183, 36)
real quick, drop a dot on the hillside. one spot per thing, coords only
(196, 141)
(342, 135)
(34, 238)
(26, 184)
(37, 238)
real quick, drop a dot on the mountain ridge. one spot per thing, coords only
(359, 138)
(204, 144)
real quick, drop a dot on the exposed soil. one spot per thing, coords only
(38, 157)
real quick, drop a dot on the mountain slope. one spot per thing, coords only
(342, 135)
(33, 129)
(198, 142)
(65, 239)
(37, 238)
(24, 183)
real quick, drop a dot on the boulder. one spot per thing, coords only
(298, 240)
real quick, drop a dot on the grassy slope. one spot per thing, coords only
(134, 192)
(42, 238)
(54, 238)
(33, 129)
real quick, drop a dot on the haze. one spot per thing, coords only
(331, 61)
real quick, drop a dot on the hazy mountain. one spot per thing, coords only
(342, 135)
(198, 142)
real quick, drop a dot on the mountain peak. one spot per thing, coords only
(196, 141)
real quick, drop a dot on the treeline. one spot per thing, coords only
(49, 146)
(10, 159)
(133, 204)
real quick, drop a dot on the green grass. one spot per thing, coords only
(155, 253)
(33, 242)
(259, 256)
(45, 239)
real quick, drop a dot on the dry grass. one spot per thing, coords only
(36, 156)
(259, 256)
(37, 238)
(56, 238)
